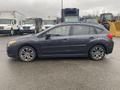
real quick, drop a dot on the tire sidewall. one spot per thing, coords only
(30, 48)
(91, 56)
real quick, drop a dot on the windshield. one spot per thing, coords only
(71, 19)
(6, 21)
(108, 17)
(29, 22)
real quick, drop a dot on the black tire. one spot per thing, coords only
(97, 52)
(27, 54)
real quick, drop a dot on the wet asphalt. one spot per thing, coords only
(61, 73)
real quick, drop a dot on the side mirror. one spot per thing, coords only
(47, 36)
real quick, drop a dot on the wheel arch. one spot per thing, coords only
(27, 44)
(96, 45)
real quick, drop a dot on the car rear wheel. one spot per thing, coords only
(97, 52)
(27, 54)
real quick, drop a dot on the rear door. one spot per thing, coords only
(80, 37)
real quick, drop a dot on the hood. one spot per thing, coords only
(26, 38)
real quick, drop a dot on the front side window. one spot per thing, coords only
(60, 31)
(83, 30)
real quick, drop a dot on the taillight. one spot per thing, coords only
(110, 36)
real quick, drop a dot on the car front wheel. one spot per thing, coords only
(27, 54)
(97, 52)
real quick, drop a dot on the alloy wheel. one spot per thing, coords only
(27, 54)
(97, 52)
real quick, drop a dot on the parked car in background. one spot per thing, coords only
(31, 25)
(64, 40)
(28, 24)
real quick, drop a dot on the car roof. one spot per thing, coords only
(87, 24)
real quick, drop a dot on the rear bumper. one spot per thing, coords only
(110, 47)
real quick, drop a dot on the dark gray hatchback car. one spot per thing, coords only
(64, 40)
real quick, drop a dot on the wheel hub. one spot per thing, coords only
(27, 54)
(98, 53)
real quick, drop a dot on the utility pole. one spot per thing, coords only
(62, 10)
(62, 4)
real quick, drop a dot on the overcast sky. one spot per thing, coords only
(45, 8)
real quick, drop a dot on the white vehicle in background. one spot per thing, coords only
(31, 25)
(47, 23)
(46, 26)
(28, 24)
(10, 22)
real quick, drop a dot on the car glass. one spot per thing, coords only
(80, 30)
(60, 31)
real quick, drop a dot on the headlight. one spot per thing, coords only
(11, 42)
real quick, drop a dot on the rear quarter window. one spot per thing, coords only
(101, 31)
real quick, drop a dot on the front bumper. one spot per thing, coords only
(12, 51)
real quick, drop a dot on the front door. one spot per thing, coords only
(58, 43)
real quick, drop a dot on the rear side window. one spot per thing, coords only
(101, 31)
(82, 30)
